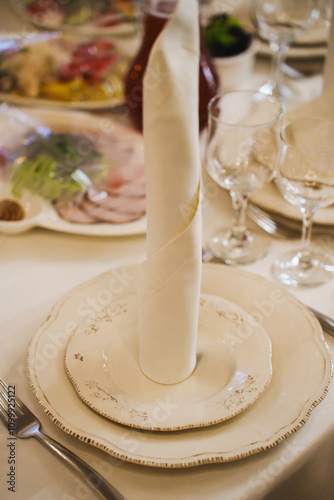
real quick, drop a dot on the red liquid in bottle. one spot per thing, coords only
(208, 79)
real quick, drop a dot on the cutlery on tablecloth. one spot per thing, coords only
(27, 425)
(281, 226)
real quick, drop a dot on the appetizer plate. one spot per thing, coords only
(79, 105)
(38, 213)
(101, 360)
(122, 146)
(49, 16)
(301, 374)
(269, 198)
(63, 71)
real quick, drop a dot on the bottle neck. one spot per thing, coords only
(155, 16)
(159, 8)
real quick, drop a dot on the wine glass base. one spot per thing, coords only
(234, 251)
(304, 269)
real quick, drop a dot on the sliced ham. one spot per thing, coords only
(74, 213)
(130, 190)
(125, 199)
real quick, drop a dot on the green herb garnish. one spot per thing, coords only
(50, 166)
(225, 36)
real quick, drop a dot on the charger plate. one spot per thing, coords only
(233, 368)
(301, 363)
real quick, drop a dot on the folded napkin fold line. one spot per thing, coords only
(170, 111)
(184, 248)
(169, 280)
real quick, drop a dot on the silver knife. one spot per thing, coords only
(326, 322)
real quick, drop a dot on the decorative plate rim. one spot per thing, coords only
(111, 445)
(258, 336)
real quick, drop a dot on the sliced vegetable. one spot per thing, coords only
(62, 70)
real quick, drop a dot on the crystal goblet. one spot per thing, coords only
(281, 22)
(305, 177)
(242, 150)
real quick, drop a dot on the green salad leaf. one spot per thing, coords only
(57, 166)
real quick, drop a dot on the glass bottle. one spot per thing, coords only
(155, 15)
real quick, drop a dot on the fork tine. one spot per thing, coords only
(3, 384)
(18, 403)
(266, 222)
(3, 408)
(4, 394)
(259, 213)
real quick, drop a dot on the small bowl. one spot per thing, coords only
(233, 70)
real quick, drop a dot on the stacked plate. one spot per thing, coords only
(270, 199)
(262, 366)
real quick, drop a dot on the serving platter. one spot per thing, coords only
(301, 364)
(122, 147)
(87, 105)
(52, 15)
(61, 70)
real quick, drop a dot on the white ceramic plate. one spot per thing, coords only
(296, 52)
(312, 44)
(80, 105)
(119, 47)
(269, 198)
(51, 22)
(101, 360)
(120, 144)
(300, 360)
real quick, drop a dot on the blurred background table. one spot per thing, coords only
(40, 266)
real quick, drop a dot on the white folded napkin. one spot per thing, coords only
(169, 280)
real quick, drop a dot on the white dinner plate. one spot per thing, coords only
(301, 374)
(102, 356)
(269, 198)
(121, 145)
(51, 22)
(296, 52)
(19, 100)
(311, 44)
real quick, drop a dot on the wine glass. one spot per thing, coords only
(305, 177)
(242, 150)
(280, 22)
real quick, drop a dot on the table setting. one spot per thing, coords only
(159, 359)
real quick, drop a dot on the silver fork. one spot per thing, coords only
(272, 226)
(281, 226)
(21, 422)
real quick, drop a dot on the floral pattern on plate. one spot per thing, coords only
(233, 368)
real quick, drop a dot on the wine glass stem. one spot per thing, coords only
(307, 229)
(239, 204)
(278, 59)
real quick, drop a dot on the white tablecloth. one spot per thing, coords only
(39, 267)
